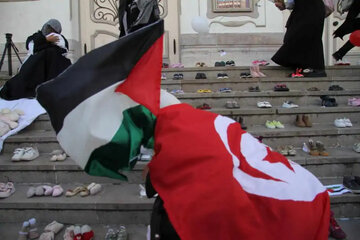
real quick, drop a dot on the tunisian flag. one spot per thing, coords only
(219, 182)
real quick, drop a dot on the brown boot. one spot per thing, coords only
(321, 148)
(299, 121)
(306, 120)
(313, 149)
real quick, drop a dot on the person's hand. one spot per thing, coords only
(280, 5)
(52, 38)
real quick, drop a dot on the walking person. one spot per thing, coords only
(351, 24)
(302, 48)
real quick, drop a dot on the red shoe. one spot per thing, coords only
(335, 230)
(297, 73)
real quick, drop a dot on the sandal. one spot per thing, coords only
(82, 190)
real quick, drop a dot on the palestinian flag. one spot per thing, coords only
(103, 107)
(219, 182)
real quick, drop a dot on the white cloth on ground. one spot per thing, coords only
(31, 108)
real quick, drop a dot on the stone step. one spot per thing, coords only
(46, 140)
(339, 163)
(257, 116)
(114, 204)
(240, 84)
(9, 231)
(273, 71)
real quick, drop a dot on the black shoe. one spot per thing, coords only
(241, 121)
(327, 101)
(198, 76)
(335, 88)
(203, 76)
(351, 184)
(308, 72)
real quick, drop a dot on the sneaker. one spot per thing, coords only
(347, 122)
(289, 104)
(225, 90)
(163, 76)
(291, 150)
(278, 124)
(356, 147)
(18, 153)
(341, 62)
(270, 124)
(309, 72)
(340, 123)
(220, 76)
(351, 184)
(30, 154)
(335, 230)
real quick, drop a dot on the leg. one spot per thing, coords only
(343, 51)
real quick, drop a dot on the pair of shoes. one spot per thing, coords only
(260, 62)
(327, 101)
(81, 233)
(309, 72)
(176, 65)
(6, 190)
(281, 88)
(355, 102)
(232, 104)
(245, 75)
(91, 189)
(255, 72)
(45, 190)
(28, 230)
(225, 90)
(163, 76)
(356, 147)
(117, 234)
(230, 63)
(26, 154)
(335, 88)
(274, 124)
(352, 183)
(303, 121)
(289, 104)
(200, 76)
(297, 73)
(313, 89)
(220, 64)
(335, 230)
(342, 122)
(51, 230)
(254, 89)
(204, 91)
(222, 76)
(287, 150)
(317, 148)
(177, 91)
(263, 104)
(178, 76)
(200, 64)
(204, 106)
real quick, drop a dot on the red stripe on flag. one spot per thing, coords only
(143, 83)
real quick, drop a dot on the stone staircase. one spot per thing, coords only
(120, 202)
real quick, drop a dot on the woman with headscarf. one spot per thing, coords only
(46, 59)
(302, 49)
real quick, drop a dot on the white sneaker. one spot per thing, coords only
(30, 154)
(347, 122)
(289, 104)
(267, 104)
(18, 153)
(340, 123)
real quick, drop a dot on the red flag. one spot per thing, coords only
(219, 182)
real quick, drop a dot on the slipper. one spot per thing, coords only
(54, 227)
(57, 191)
(87, 233)
(94, 188)
(48, 190)
(39, 191)
(47, 236)
(69, 233)
(7, 190)
(31, 192)
(71, 193)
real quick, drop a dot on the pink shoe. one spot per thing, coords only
(253, 72)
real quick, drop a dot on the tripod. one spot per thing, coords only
(9, 44)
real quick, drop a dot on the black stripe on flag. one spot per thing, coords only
(95, 71)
